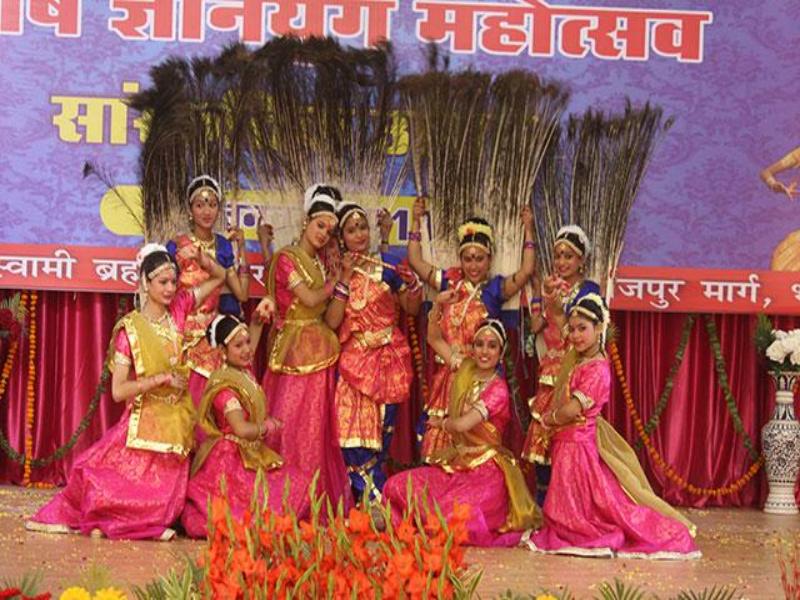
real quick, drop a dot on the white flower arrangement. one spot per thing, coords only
(784, 351)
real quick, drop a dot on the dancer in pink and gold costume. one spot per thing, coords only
(132, 483)
(599, 502)
(204, 196)
(475, 469)
(302, 351)
(234, 417)
(560, 291)
(375, 372)
(477, 296)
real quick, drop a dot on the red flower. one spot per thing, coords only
(10, 593)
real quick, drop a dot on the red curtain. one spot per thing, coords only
(696, 434)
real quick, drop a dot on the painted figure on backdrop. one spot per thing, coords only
(204, 196)
(302, 350)
(599, 502)
(477, 295)
(131, 484)
(235, 418)
(375, 371)
(786, 256)
(475, 468)
(560, 291)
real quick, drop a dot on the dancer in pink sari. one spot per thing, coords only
(234, 416)
(475, 469)
(302, 352)
(599, 502)
(131, 484)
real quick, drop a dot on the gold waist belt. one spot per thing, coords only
(374, 339)
(254, 444)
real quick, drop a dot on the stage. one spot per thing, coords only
(738, 545)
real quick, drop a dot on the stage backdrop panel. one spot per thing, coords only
(706, 233)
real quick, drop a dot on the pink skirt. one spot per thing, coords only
(225, 460)
(587, 512)
(126, 493)
(483, 488)
(309, 439)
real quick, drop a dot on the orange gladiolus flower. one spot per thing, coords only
(283, 524)
(432, 562)
(406, 532)
(307, 531)
(358, 521)
(416, 585)
(404, 563)
(461, 512)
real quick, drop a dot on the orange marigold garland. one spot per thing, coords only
(416, 351)
(665, 468)
(30, 404)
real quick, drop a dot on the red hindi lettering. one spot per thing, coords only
(350, 20)
(449, 20)
(143, 19)
(245, 15)
(63, 15)
(10, 17)
(680, 35)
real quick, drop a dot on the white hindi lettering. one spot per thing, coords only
(116, 270)
(725, 291)
(657, 289)
(59, 265)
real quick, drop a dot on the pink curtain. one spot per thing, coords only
(695, 435)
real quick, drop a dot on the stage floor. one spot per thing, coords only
(739, 549)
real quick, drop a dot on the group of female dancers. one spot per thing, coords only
(338, 366)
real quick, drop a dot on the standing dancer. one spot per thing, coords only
(302, 350)
(560, 292)
(375, 371)
(477, 296)
(475, 469)
(131, 484)
(235, 418)
(599, 502)
(204, 195)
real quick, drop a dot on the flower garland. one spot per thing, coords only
(8, 365)
(416, 351)
(26, 459)
(722, 376)
(30, 395)
(667, 469)
(666, 394)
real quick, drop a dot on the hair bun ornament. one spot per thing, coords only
(321, 192)
(146, 251)
(212, 330)
(203, 181)
(572, 233)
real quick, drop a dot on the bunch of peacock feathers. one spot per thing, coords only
(591, 178)
(190, 132)
(477, 145)
(320, 113)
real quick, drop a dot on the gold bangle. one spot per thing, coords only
(553, 416)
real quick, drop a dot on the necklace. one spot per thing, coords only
(207, 246)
